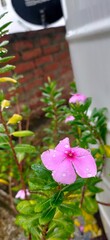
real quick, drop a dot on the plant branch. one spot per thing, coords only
(13, 151)
(103, 203)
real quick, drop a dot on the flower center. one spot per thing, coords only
(69, 153)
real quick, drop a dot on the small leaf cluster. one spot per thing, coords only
(53, 108)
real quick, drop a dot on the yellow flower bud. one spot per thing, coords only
(5, 104)
(15, 119)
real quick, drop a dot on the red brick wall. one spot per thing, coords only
(40, 54)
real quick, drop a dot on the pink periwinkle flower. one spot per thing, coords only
(69, 119)
(65, 162)
(77, 97)
(21, 194)
(81, 228)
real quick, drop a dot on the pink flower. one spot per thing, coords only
(65, 162)
(81, 228)
(21, 194)
(77, 97)
(69, 119)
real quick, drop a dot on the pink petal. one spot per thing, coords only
(77, 97)
(64, 173)
(20, 194)
(84, 163)
(51, 159)
(69, 119)
(63, 145)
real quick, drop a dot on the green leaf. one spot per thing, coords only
(25, 148)
(90, 205)
(87, 104)
(75, 186)
(57, 199)
(42, 205)
(6, 68)
(71, 209)
(6, 59)
(26, 207)
(4, 26)
(24, 133)
(2, 15)
(2, 129)
(4, 43)
(20, 156)
(2, 96)
(47, 215)
(41, 171)
(3, 51)
(26, 221)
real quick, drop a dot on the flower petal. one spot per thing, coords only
(20, 194)
(84, 163)
(51, 159)
(77, 97)
(63, 145)
(64, 173)
(69, 119)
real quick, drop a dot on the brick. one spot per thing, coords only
(34, 53)
(33, 84)
(44, 41)
(24, 67)
(28, 76)
(60, 37)
(20, 45)
(51, 49)
(64, 45)
(38, 72)
(61, 56)
(51, 67)
(43, 60)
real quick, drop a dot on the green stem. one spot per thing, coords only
(13, 151)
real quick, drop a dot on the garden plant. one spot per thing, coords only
(51, 186)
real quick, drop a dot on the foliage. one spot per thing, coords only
(50, 210)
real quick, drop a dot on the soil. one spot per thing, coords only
(8, 229)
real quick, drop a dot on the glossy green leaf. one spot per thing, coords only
(71, 209)
(25, 148)
(75, 186)
(47, 215)
(3, 51)
(90, 205)
(6, 68)
(6, 59)
(26, 207)
(4, 26)
(42, 205)
(24, 133)
(57, 199)
(4, 43)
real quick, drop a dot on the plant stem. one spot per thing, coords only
(83, 194)
(29, 238)
(13, 151)
(103, 203)
(44, 232)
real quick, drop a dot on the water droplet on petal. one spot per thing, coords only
(66, 146)
(89, 175)
(66, 152)
(64, 175)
